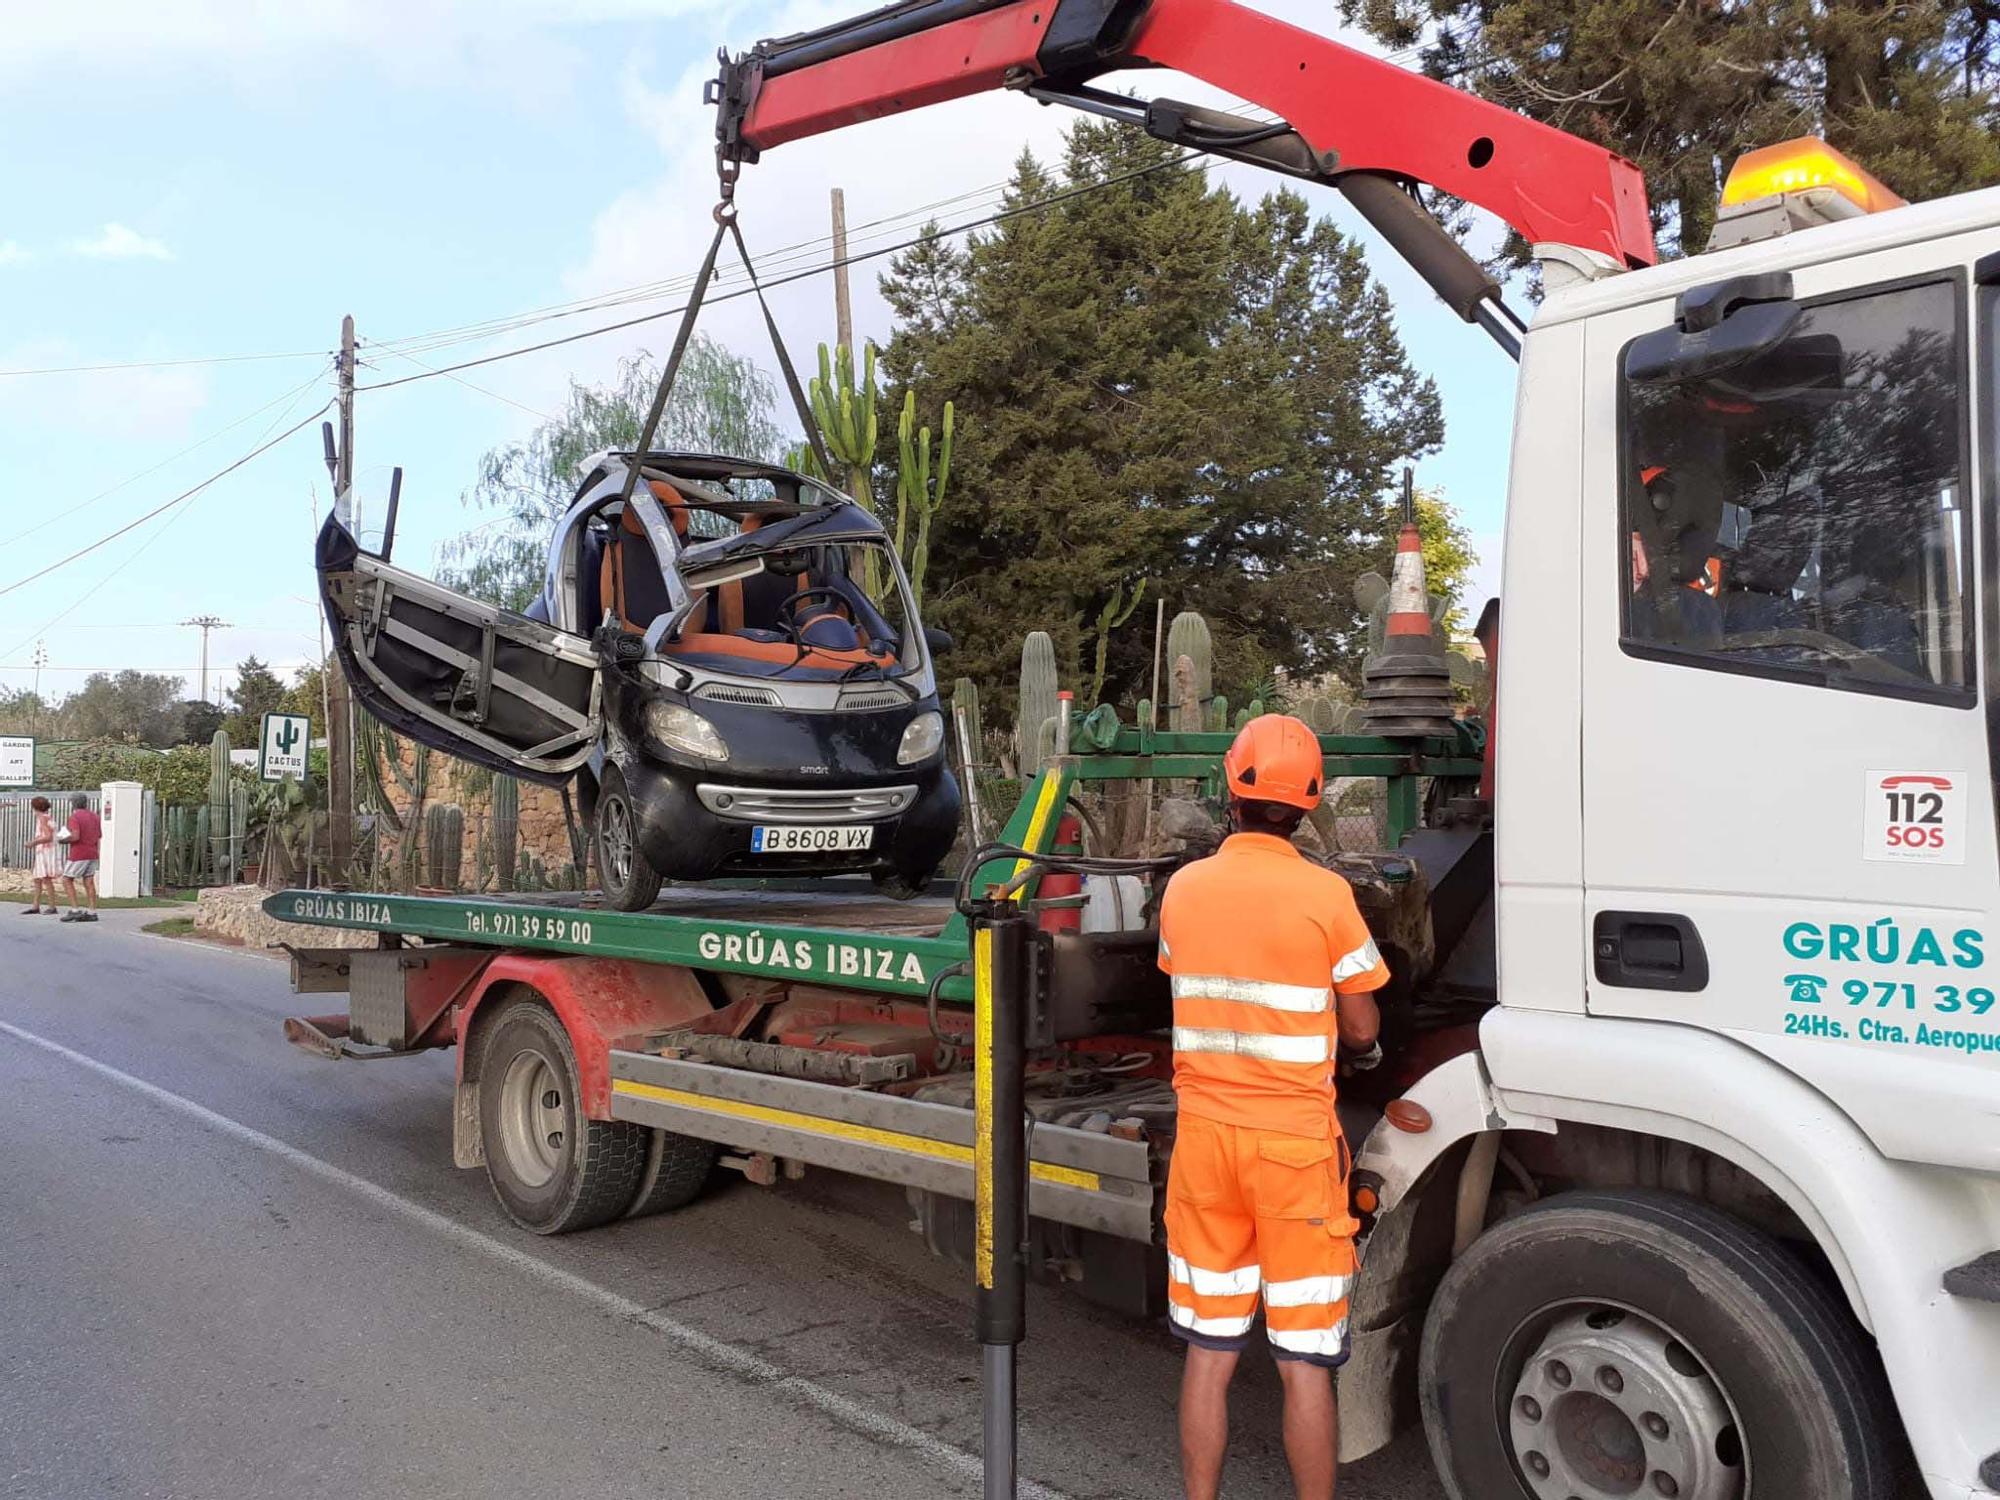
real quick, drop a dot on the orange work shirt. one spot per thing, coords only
(1258, 941)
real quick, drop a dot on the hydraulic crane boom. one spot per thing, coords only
(1348, 119)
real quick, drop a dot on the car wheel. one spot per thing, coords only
(1606, 1344)
(553, 1169)
(630, 883)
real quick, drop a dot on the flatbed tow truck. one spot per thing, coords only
(1681, 1177)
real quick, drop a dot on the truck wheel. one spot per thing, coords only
(630, 883)
(552, 1169)
(1612, 1344)
(677, 1169)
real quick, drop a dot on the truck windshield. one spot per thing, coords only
(1811, 521)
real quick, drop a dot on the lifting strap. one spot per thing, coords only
(725, 224)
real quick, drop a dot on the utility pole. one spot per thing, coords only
(340, 712)
(41, 659)
(205, 623)
(843, 311)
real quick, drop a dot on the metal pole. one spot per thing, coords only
(1001, 935)
(843, 309)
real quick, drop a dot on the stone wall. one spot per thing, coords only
(234, 914)
(542, 835)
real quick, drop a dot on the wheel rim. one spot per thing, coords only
(615, 840)
(1611, 1404)
(534, 1123)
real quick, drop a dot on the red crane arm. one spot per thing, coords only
(1348, 112)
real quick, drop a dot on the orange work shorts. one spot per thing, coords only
(1256, 1215)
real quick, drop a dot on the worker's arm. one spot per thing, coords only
(1358, 970)
(1359, 1020)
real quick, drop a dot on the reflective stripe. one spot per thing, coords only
(1165, 952)
(1361, 961)
(1292, 997)
(1307, 1291)
(1287, 1049)
(1328, 1343)
(1215, 1328)
(1214, 1283)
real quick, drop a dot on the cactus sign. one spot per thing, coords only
(282, 752)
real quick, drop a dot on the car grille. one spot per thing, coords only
(723, 692)
(857, 699)
(758, 804)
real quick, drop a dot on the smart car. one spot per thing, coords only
(728, 664)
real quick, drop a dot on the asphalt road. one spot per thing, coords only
(228, 1269)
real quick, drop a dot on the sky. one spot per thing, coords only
(199, 191)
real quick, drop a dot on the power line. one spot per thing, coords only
(184, 495)
(289, 396)
(165, 364)
(814, 270)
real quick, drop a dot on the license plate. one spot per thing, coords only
(810, 838)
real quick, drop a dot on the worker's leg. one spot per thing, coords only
(90, 889)
(1205, 1419)
(1312, 1427)
(1212, 1280)
(1306, 1247)
(69, 893)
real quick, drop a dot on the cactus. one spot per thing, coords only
(444, 838)
(1184, 713)
(1146, 713)
(221, 855)
(915, 491)
(506, 827)
(1218, 713)
(1116, 612)
(1188, 636)
(1319, 712)
(1038, 698)
(288, 737)
(845, 414)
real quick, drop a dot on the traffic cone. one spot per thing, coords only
(1406, 687)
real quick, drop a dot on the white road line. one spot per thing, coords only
(719, 1353)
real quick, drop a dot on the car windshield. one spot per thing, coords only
(798, 608)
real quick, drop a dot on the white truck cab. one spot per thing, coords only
(1748, 881)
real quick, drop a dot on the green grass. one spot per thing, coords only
(175, 927)
(109, 903)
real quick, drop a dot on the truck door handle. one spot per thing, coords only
(1648, 950)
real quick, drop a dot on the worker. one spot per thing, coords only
(1273, 971)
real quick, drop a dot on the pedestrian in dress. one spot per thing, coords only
(82, 836)
(45, 862)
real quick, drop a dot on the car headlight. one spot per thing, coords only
(683, 729)
(921, 738)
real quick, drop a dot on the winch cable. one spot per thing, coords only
(725, 224)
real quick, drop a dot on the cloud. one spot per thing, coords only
(120, 243)
(13, 253)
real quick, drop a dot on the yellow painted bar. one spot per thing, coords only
(982, 1103)
(845, 1130)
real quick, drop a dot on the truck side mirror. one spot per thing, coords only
(1674, 356)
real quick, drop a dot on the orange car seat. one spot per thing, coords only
(628, 579)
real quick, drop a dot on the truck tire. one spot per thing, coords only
(1636, 1343)
(630, 882)
(553, 1170)
(677, 1169)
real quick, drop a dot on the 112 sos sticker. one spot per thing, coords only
(1915, 817)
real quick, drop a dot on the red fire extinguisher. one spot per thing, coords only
(1060, 886)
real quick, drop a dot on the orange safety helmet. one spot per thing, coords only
(1275, 758)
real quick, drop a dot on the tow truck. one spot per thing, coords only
(1682, 1174)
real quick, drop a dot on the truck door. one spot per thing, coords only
(1788, 797)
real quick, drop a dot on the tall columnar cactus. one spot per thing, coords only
(444, 834)
(1218, 713)
(916, 493)
(1038, 698)
(1188, 636)
(221, 855)
(845, 412)
(506, 826)
(1116, 612)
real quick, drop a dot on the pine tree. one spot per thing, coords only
(1172, 388)
(1683, 90)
